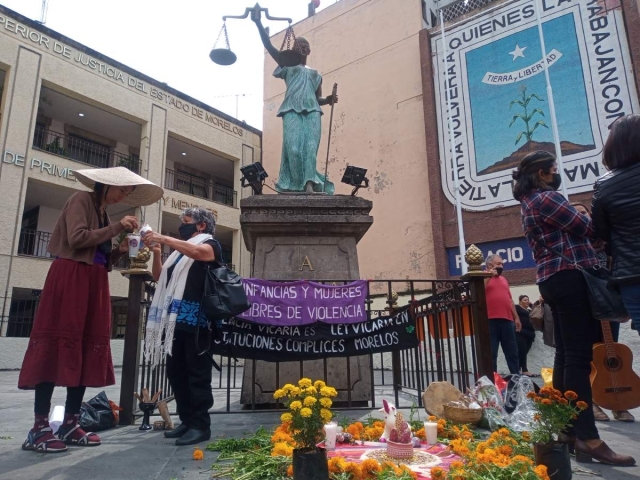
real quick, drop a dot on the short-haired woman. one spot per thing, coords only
(69, 344)
(175, 318)
(526, 335)
(616, 209)
(550, 222)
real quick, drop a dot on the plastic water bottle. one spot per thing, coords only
(56, 418)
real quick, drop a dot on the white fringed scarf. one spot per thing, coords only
(161, 321)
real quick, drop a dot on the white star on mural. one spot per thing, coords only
(518, 52)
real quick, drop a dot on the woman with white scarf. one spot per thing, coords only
(174, 318)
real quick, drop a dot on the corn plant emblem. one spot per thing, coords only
(527, 117)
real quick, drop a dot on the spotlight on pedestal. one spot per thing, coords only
(355, 176)
(253, 176)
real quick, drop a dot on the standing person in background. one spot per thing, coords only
(70, 341)
(616, 209)
(503, 318)
(604, 260)
(551, 224)
(526, 336)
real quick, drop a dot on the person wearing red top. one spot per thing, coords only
(503, 318)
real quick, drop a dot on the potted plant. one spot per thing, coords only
(554, 412)
(399, 443)
(309, 406)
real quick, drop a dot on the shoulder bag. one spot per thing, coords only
(606, 304)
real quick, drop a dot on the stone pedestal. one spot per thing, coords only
(306, 237)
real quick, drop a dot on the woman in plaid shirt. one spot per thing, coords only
(549, 220)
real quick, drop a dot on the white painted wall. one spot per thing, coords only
(47, 218)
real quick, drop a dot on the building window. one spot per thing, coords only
(22, 311)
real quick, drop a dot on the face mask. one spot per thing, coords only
(555, 183)
(499, 270)
(186, 230)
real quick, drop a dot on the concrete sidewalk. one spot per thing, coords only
(127, 453)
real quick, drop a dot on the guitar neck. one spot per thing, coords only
(608, 339)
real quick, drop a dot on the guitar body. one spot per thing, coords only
(614, 384)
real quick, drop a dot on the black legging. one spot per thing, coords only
(524, 345)
(44, 391)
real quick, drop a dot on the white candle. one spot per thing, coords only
(330, 430)
(431, 432)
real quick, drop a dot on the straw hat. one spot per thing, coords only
(145, 193)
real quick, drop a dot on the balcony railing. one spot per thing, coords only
(82, 151)
(199, 187)
(34, 244)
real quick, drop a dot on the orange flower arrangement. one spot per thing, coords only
(554, 412)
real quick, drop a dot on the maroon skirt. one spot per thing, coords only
(70, 341)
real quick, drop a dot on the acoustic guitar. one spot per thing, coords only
(614, 384)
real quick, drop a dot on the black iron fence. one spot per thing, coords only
(199, 187)
(82, 150)
(453, 346)
(34, 243)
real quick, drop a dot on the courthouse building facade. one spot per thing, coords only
(64, 107)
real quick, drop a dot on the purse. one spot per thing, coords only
(537, 317)
(224, 296)
(606, 304)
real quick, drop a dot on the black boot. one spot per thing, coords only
(177, 432)
(194, 436)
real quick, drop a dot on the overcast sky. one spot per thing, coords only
(170, 41)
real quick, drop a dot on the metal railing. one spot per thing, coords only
(199, 187)
(454, 346)
(81, 150)
(462, 7)
(34, 243)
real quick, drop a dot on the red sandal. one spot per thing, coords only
(43, 441)
(75, 435)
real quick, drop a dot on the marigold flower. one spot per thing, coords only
(437, 473)
(582, 405)
(287, 388)
(295, 405)
(310, 401)
(282, 449)
(407, 471)
(280, 436)
(337, 464)
(294, 392)
(541, 472)
(537, 417)
(522, 459)
(526, 436)
(311, 390)
(304, 383)
(457, 464)
(290, 471)
(306, 412)
(353, 469)
(531, 395)
(326, 402)
(279, 393)
(286, 417)
(570, 395)
(319, 384)
(325, 414)
(370, 468)
(198, 454)
(546, 401)
(432, 418)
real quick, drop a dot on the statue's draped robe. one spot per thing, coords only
(301, 120)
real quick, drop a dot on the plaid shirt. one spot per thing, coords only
(548, 216)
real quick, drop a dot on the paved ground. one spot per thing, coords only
(127, 453)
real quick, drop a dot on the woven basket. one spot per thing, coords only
(399, 450)
(462, 415)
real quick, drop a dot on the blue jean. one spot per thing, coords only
(503, 332)
(631, 298)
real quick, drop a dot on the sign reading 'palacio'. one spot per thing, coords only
(499, 106)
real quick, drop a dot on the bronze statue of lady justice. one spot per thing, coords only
(300, 111)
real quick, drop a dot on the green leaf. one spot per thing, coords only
(515, 117)
(520, 136)
(538, 124)
(537, 110)
(536, 96)
(516, 102)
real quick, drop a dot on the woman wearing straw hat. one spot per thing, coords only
(69, 344)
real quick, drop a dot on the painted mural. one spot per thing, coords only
(499, 99)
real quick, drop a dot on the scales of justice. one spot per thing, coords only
(301, 109)
(306, 232)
